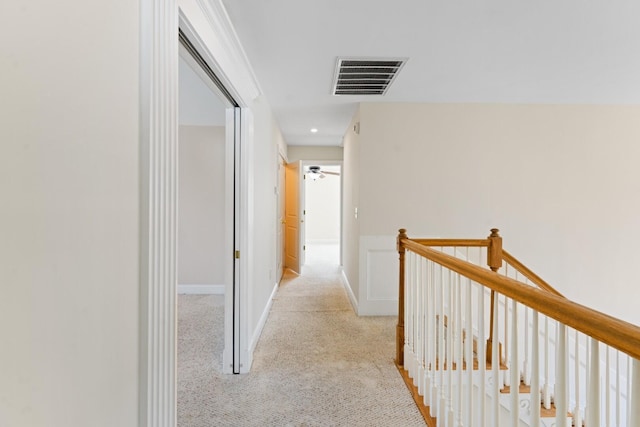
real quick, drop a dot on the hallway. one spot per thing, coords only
(317, 363)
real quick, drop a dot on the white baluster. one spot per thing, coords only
(507, 357)
(416, 320)
(441, 344)
(424, 322)
(535, 370)
(629, 396)
(607, 392)
(515, 374)
(419, 325)
(482, 359)
(577, 415)
(425, 329)
(593, 396)
(618, 393)
(432, 328)
(430, 336)
(469, 353)
(495, 366)
(526, 370)
(450, 349)
(412, 370)
(407, 313)
(459, 400)
(560, 398)
(412, 320)
(416, 307)
(634, 396)
(546, 392)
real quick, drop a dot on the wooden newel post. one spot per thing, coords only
(494, 261)
(402, 234)
(494, 251)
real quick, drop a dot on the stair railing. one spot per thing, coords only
(553, 357)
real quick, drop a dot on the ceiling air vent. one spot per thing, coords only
(365, 76)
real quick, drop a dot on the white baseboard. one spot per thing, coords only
(194, 289)
(347, 286)
(256, 334)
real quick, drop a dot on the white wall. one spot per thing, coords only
(350, 202)
(322, 206)
(69, 217)
(305, 152)
(201, 195)
(267, 143)
(561, 182)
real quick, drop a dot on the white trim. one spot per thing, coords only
(227, 354)
(158, 212)
(208, 27)
(372, 301)
(246, 244)
(347, 286)
(256, 335)
(195, 289)
(339, 163)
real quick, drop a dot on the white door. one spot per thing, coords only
(294, 218)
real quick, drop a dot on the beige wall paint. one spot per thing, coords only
(351, 199)
(268, 142)
(300, 152)
(69, 179)
(201, 203)
(561, 182)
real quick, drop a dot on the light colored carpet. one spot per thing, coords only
(317, 363)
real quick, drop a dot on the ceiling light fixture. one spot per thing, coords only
(314, 130)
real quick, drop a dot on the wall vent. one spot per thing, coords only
(365, 76)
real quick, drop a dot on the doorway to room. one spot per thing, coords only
(208, 194)
(322, 201)
(201, 186)
(312, 220)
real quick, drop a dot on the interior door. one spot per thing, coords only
(293, 217)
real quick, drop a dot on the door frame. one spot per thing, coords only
(208, 27)
(296, 221)
(306, 163)
(280, 218)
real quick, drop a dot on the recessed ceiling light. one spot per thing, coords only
(314, 130)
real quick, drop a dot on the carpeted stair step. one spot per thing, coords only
(544, 412)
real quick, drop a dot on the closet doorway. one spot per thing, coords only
(208, 195)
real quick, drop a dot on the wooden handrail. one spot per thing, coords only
(614, 332)
(453, 242)
(535, 279)
(506, 256)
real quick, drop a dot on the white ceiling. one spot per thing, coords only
(478, 51)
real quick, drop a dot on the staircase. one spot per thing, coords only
(526, 401)
(457, 315)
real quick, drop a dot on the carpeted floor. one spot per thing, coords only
(317, 363)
